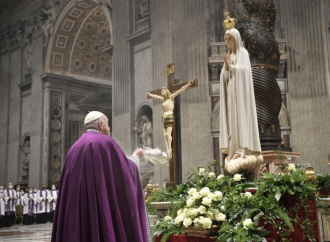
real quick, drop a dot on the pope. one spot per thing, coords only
(100, 195)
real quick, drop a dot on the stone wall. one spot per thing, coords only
(305, 27)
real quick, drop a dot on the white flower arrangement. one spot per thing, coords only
(201, 209)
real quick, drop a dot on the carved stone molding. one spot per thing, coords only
(80, 40)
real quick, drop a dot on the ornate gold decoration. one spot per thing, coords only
(214, 50)
(169, 70)
(149, 189)
(55, 136)
(54, 164)
(310, 173)
(229, 22)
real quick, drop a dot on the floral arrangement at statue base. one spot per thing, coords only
(206, 233)
(243, 210)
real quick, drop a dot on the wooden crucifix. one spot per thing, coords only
(167, 95)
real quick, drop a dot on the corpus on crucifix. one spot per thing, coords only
(167, 95)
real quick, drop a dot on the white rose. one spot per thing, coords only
(220, 217)
(206, 201)
(201, 171)
(193, 212)
(237, 177)
(211, 175)
(179, 219)
(179, 212)
(248, 194)
(211, 195)
(187, 222)
(222, 207)
(209, 214)
(190, 202)
(185, 210)
(192, 191)
(167, 218)
(196, 221)
(291, 167)
(217, 196)
(201, 209)
(220, 177)
(196, 195)
(205, 191)
(247, 223)
(206, 223)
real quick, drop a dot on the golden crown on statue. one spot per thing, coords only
(229, 22)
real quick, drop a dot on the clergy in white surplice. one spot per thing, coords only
(42, 205)
(30, 209)
(52, 196)
(10, 201)
(19, 196)
(2, 207)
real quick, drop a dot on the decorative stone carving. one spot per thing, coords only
(144, 8)
(25, 158)
(48, 27)
(86, 31)
(55, 145)
(28, 55)
(145, 131)
(11, 35)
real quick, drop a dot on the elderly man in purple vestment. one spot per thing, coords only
(100, 195)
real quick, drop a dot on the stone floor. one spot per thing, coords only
(27, 233)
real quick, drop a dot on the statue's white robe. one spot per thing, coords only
(238, 116)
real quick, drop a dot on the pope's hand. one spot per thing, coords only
(191, 82)
(148, 94)
(139, 152)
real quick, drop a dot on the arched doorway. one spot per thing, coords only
(77, 76)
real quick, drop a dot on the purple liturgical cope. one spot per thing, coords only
(100, 197)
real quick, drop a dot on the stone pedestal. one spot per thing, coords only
(272, 160)
(162, 207)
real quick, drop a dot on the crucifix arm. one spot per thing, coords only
(182, 89)
(155, 96)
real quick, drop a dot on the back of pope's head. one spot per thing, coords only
(92, 116)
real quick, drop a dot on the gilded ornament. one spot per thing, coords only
(229, 22)
(310, 173)
(54, 164)
(55, 136)
(169, 70)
